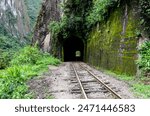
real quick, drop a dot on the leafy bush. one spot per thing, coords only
(73, 21)
(5, 58)
(79, 16)
(55, 28)
(144, 60)
(31, 55)
(28, 55)
(145, 15)
(46, 59)
(7, 42)
(12, 80)
(99, 11)
(8, 45)
(26, 63)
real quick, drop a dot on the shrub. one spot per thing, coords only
(27, 55)
(7, 42)
(26, 63)
(144, 60)
(13, 78)
(8, 46)
(46, 59)
(99, 11)
(5, 58)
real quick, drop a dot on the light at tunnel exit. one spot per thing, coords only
(73, 49)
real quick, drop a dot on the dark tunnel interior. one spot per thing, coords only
(73, 49)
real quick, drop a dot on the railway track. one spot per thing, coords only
(86, 79)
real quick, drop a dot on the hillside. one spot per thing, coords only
(17, 17)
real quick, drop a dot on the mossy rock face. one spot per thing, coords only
(112, 44)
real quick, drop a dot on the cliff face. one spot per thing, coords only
(14, 19)
(50, 11)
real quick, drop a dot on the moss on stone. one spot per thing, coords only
(108, 48)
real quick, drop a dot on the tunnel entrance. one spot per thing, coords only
(73, 49)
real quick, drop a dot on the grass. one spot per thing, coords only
(26, 64)
(138, 85)
(142, 90)
(50, 97)
(123, 77)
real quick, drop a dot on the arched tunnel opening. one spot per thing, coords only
(73, 49)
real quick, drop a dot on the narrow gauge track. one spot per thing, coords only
(83, 90)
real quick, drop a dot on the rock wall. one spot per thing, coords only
(112, 45)
(14, 19)
(50, 11)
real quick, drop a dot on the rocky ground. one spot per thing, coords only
(57, 83)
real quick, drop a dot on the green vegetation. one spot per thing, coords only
(142, 90)
(84, 19)
(8, 42)
(145, 16)
(104, 33)
(80, 16)
(114, 49)
(8, 46)
(33, 8)
(140, 86)
(18, 64)
(73, 21)
(144, 60)
(123, 77)
(100, 11)
(25, 64)
(5, 57)
(91, 19)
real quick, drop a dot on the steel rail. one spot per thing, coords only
(82, 89)
(107, 87)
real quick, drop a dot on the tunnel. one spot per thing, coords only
(73, 49)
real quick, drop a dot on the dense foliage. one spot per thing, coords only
(33, 8)
(8, 42)
(99, 11)
(73, 20)
(8, 45)
(80, 16)
(144, 61)
(145, 16)
(26, 63)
